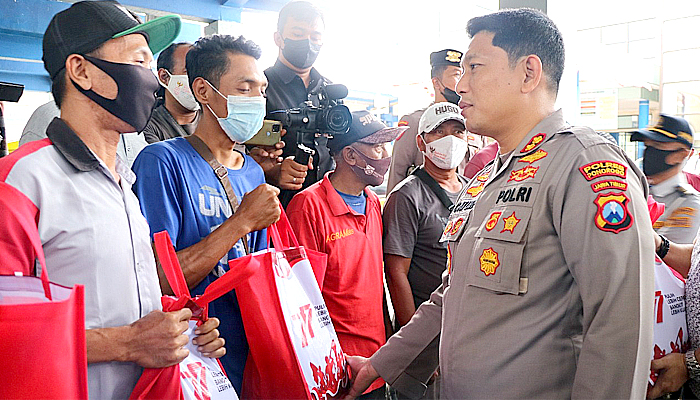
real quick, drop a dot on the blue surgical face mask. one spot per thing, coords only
(245, 116)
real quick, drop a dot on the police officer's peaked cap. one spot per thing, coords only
(445, 57)
(667, 129)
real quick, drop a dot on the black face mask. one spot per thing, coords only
(450, 95)
(136, 92)
(655, 161)
(300, 53)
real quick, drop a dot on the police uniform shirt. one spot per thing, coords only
(549, 288)
(286, 90)
(405, 155)
(680, 220)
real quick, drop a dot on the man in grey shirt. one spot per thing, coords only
(178, 114)
(416, 212)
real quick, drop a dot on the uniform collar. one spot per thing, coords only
(70, 146)
(76, 152)
(667, 187)
(542, 132)
(287, 75)
(336, 203)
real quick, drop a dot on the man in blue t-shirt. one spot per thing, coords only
(179, 191)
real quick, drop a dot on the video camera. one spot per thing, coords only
(323, 114)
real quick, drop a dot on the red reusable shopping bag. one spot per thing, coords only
(294, 350)
(42, 332)
(196, 377)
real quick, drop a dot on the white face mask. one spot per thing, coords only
(179, 87)
(446, 152)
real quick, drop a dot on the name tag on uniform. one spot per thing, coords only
(454, 227)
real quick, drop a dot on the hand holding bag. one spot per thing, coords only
(196, 377)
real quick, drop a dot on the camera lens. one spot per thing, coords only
(338, 119)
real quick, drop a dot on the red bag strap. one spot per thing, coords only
(32, 232)
(240, 269)
(42, 261)
(170, 264)
(281, 231)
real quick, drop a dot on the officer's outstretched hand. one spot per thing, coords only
(260, 208)
(363, 374)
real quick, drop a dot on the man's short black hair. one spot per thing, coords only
(209, 59)
(58, 87)
(437, 71)
(165, 60)
(300, 10)
(524, 31)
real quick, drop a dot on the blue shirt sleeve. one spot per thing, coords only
(157, 191)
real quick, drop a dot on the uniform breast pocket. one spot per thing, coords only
(496, 260)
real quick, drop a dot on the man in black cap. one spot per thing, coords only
(93, 234)
(341, 217)
(405, 157)
(669, 144)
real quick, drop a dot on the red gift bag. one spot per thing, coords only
(294, 350)
(670, 326)
(42, 326)
(196, 377)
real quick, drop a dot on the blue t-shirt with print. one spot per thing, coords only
(179, 192)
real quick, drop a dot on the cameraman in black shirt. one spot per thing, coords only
(299, 37)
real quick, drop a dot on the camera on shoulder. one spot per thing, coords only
(323, 114)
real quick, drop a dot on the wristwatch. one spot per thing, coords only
(692, 365)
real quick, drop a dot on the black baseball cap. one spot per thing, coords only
(446, 57)
(85, 25)
(365, 128)
(667, 129)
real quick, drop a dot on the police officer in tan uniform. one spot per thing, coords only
(405, 156)
(549, 288)
(669, 144)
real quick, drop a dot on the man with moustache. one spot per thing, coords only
(549, 289)
(89, 221)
